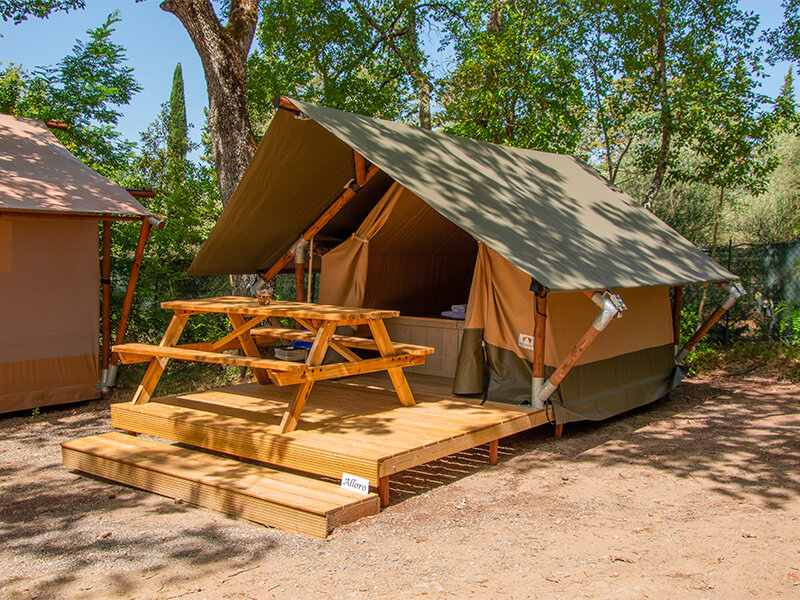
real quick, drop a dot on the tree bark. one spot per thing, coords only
(411, 64)
(415, 70)
(223, 51)
(714, 236)
(666, 116)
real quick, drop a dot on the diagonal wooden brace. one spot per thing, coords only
(735, 291)
(610, 306)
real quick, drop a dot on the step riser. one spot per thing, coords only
(270, 449)
(260, 494)
(199, 494)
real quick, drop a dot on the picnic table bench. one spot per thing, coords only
(320, 322)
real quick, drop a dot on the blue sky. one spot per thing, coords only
(155, 42)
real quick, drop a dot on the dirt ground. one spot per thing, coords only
(697, 496)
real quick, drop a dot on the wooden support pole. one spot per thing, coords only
(704, 328)
(735, 291)
(494, 447)
(383, 491)
(610, 306)
(141, 192)
(299, 281)
(321, 221)
(577, 351)
(134, 275)
(105, 283)
(539, 329)
(361, 168)
(282, 103)
(310, 294)
(677, 305)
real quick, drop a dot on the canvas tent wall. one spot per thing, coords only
(534, 217)
(407, 257)
(50, 207)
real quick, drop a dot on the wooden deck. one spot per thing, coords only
(358, 428)
(355, 426)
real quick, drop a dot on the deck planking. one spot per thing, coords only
(357, 427)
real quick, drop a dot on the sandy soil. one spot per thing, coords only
(693, 497)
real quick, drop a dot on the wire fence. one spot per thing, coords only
(771, 308)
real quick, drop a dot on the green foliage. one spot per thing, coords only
(787, 315)
(785, 39)
(774, 215)
(191, 205)
(177, 130)
(515, 80)
(713, 70)
(85, 90)
(19, 10)
(742, 358)
(36, 411)
(323, 51)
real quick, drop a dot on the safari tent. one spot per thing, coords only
(51, 205)
(566, 280)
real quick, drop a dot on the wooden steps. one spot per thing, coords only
(248, 438)
(256, 493)
(347, 427)
(361, 431)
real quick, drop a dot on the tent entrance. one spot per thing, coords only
(406, 256)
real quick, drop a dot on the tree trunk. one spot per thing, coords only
(714, 235)
(666, 116)
(223, 51)
(421, 81)
(424, 98)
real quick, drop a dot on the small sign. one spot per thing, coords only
(355, 484)
(526, 341)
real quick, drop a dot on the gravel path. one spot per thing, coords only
(697, 496)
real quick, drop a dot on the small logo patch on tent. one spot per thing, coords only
(526, 341)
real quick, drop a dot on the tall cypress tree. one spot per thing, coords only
(177, 130)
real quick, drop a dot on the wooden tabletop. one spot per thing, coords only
(303, 310)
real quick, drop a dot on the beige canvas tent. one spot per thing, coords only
(50, 208)
(534, 243)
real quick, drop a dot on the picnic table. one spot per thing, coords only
(246, 314)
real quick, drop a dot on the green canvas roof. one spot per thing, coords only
(553, 216)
